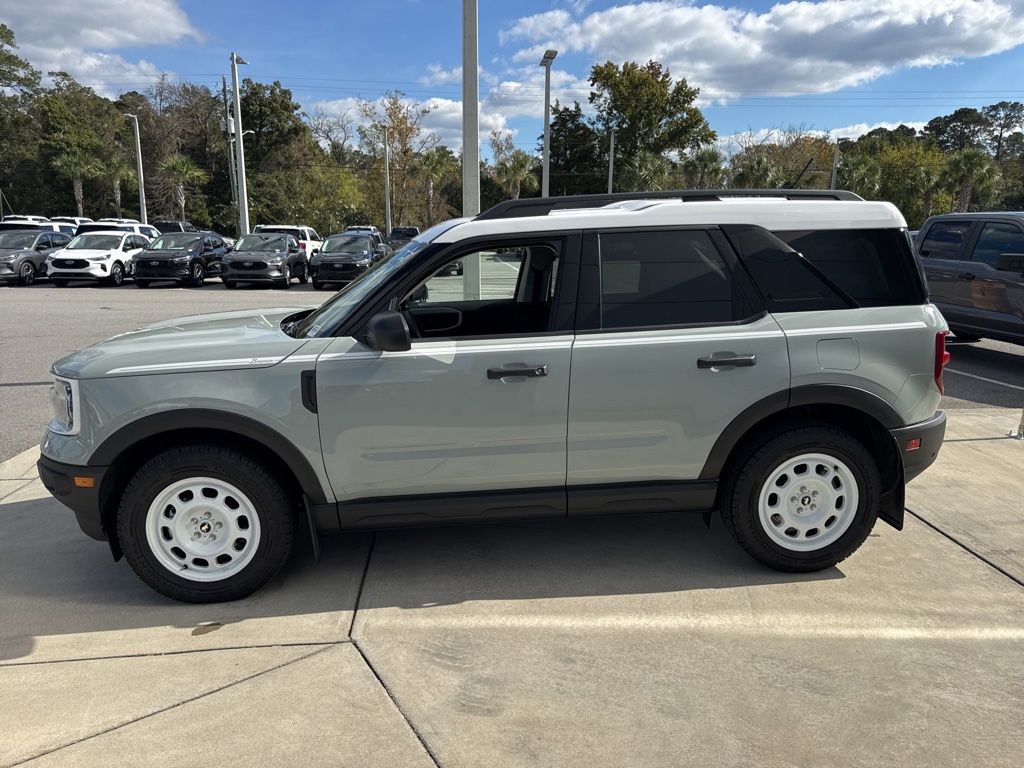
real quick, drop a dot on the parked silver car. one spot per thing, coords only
(769, 355)
(23, 254)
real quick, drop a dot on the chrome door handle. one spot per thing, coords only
(738, 361)
(966, 276)
(530, 372)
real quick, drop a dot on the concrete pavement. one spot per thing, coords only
(645, 641)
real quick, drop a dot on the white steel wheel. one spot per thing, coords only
(203, 529)
(808, 502)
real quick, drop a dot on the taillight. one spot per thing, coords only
(941, 358)
(302, 245)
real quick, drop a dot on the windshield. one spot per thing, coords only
(168, 226)
(17, 239)
(296, 233)
(260, 242)
(346, 244)
(327, 316)
(95, 243)
(83, 228)
(175, 241)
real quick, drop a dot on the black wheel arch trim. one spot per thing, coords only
(198, 418)
(812, 394)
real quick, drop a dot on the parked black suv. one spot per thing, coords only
(187, 258)
(974, 263)
(175, 226)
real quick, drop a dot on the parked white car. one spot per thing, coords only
(309, 240)
(103, 257)
(124, 225)
(76, 220)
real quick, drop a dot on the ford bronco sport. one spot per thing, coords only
(770, 355)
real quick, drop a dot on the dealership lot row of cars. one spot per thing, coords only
(111, 250)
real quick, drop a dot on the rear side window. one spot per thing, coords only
(667, 278)
(945, 239)
(875, 267)
(997, 238)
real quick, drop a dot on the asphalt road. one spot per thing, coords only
(42, 323)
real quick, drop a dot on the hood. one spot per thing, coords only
(345, 257)
(256, 255)
(222, 341)
(166, 253)
(15, 251)
(81, 253)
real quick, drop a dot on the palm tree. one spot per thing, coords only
(515, 173)
(756, 170)
(923, 182)
(183, 175)
(117, 171)
(646, 171)
(971, 171)
(434, 165)
(860, 174)
(77, 166)
(704, 168)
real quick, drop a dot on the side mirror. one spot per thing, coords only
(1010, 262)
(314, 252)
(388, 332)
(41, 246)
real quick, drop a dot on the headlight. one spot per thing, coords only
(99, 258)
(364, 262)
(181, 259)
(274, 260)
(9, 257)
(64, 400)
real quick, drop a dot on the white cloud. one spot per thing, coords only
(79, 36)
(792, 48)
(730, 144)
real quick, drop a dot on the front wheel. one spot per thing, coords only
(142, 283)
(230, 284)
(286, 277)
(198, 275)
(204, 524)
(804, 501)
(116, 274)
(60, 283)
(27, 273)
(304, 275)
(319, 285)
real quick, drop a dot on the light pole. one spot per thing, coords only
(387, 185)
(470, 140)
(611, 162)
(138, 167)
(243, 195)
(549, 57)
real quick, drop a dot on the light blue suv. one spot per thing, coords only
(770, 355)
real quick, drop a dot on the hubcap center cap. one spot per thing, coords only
(205, 527)
(805, 501)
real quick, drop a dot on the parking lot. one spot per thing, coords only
(641, 640)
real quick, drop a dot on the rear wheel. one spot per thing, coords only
(965, 336)
(230, 284)
(27, 273)
(205, 524)
(805, 500)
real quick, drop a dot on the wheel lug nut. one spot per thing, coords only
(213, 537)
(193, 521)
(814, 494)
(206, 515)
(218, 526)
(195, 535)
(793, 499)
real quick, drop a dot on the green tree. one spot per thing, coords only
(972, 173)
(17, 76)
(961, 130)
(579, 156)
(859, 173)
(645, 171)
(117, 171)
(1002, 119)
(76, 166)
(756, 170)
(705, 168)
(182, 175)
(437, 166)
(648, 111)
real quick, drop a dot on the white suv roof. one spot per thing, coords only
(771, 213)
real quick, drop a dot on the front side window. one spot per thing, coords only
(996, 239)
(667, 278)
(945, 239)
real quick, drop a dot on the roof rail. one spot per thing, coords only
(542, 206)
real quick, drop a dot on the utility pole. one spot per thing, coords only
(611, 162)
(138, 168)
(243, 195)
(546, 61)
(835, 165)
(470, 140)
(387, 185)
(229, 128)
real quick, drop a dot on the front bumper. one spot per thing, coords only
(96, 271)
(930, 433)
(266, 274)
(163, 271)
(341, 272)
(59, 480)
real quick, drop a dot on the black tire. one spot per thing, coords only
(230, 284)
(60, 283)
(26, 273)
(264, 490)
(304, 277)
(142, 283)
(197, 275)
(116, 274)
(319, 285)
(965, 336)
(744, 481)
(286, 279)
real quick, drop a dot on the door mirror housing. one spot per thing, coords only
(388, 332)
(1010, 262)
(419, 295)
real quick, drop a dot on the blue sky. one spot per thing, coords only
(839, 65)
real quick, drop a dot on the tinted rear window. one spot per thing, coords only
(875, 267)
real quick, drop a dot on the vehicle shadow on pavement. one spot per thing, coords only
(61, 596)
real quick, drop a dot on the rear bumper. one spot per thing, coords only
(931, 434)
(59, 480)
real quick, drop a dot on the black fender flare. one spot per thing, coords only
(813, 394)
(206, 419)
